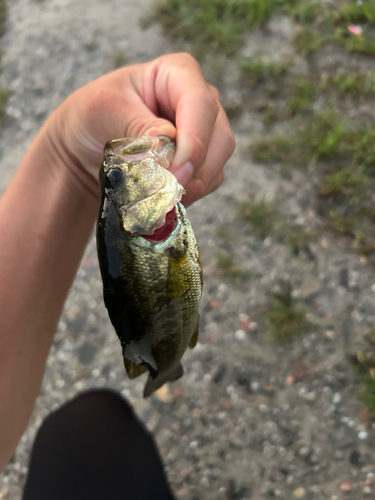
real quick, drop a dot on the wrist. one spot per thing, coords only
(52, 143)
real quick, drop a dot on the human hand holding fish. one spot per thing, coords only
(48, 210)
(167, 96)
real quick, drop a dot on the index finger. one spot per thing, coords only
(191, 104)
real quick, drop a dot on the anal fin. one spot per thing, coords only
(153, 384)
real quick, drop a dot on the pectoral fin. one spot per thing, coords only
(153, 384)
(134, 370)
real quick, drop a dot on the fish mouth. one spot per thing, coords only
(149, 192)
(162, 233)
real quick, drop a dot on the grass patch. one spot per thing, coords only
(353, 84)
(364, 368)
(277, 148)
(218, 26)
(119, 58)
(346, 181)
(323, 137)
(260, 216)
(254, 70)
(226, 269)
(298, 239)
(4, 94)
(307, 40)
(3, 16)
(286, 320)
(352, 12)
(303, 96)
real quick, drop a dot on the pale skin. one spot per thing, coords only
(48, 211)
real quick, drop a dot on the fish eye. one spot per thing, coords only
(115, 176)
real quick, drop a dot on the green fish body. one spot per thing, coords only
(149, 259)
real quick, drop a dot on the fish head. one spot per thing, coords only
(136, 180)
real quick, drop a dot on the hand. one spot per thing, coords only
(166, 96)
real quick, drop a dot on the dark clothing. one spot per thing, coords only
(94, 448)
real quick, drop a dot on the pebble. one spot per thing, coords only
(337, 398)
(164, 394)
(346, 486)
(363, 435)
(240, 335)
(299, 492)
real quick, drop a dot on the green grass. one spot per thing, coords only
(285, 318)
(352, 84)
(277, 148)
(119, 58)
(304, 12)
(303, 96)
(260, 216)
(254, 70)
(3, 16)
(226, 269)
(352, 12)
(364, 368)
(298, 238)
(270, 115)
(4, 94)
(217, 26)
(307, 40)
(345, 180)
(322, 137)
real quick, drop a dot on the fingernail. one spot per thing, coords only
(164, 129)
(185, 173)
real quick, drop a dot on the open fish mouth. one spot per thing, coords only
(140, 183)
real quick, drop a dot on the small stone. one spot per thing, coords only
(346, 486)
(337, 397)
(60, 383)
(214, 304)
(95, 373)
(344, 277)
(330, 334)
(299, 492)
(253, 326)
(367, 490)
(363, 435)
(219, 375)
(354, 457)
(365, 417)
(310, 396)
(304, 452)
(244, 322)
(164, 394)
(240, 335)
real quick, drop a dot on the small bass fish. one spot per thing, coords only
(149, 258)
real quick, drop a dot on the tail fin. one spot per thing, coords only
(153, 384)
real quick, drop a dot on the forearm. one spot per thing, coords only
(46, 217)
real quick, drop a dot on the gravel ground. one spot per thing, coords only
(249, 420)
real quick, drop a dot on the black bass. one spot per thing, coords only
(149, 258)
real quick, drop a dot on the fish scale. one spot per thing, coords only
(152, 289)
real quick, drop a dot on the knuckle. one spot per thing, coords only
(186, 59)
(199, 150)
(231, 142)
(215, 92)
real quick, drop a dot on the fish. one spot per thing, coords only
(149, 258)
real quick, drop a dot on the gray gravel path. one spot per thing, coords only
(249, 420)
